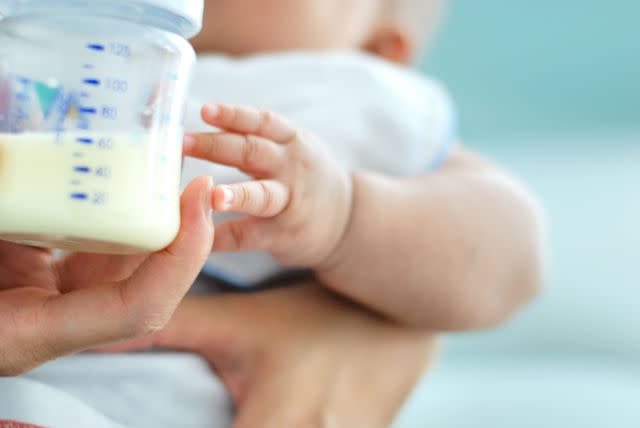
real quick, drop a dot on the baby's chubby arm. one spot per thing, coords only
(456, 249)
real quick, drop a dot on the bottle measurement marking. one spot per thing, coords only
(88, 110)
(114, 48)
(82, 170)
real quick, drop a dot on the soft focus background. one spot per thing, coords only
(552, 90)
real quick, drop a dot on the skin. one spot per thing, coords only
(242, 27)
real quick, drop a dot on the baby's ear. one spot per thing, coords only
(392, 44)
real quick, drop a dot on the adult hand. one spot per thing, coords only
(52, 308)
(300, 356)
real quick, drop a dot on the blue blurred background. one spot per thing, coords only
(522, 66)
(552, 90)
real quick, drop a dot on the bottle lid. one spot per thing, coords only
(183, 17)
(187, 14)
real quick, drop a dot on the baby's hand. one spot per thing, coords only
(300, 201)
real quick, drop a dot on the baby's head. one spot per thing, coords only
(392, 29)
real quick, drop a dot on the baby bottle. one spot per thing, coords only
(92, 98)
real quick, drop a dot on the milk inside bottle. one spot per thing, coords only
(92, 97)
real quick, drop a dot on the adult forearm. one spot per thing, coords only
(456, 249)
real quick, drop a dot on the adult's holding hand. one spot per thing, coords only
(300, 356)
(50, 308)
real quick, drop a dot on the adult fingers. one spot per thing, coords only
(252, 154)
(249, 120)
(21, 265)
(142, 304)
(81, 269)
(262, 198)
(164, 278)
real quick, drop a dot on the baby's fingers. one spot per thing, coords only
(254, 155)
(262, 198)
(248, 120)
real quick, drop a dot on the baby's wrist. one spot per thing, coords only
(335, 257)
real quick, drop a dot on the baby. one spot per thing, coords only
(456, 247)
(350, 171)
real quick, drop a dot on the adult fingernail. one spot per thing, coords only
(228, 197)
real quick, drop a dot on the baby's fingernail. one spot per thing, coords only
(228, 197)
(211, 110)
(188, 142)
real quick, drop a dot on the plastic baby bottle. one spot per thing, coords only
(92, 97)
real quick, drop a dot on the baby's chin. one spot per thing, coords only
(246, 44)
(274, 50)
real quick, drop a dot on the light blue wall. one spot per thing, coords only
(551, 89)
(522, 66)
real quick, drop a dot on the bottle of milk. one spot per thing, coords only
(92, 97)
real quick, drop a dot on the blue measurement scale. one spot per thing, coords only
(89, 113)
